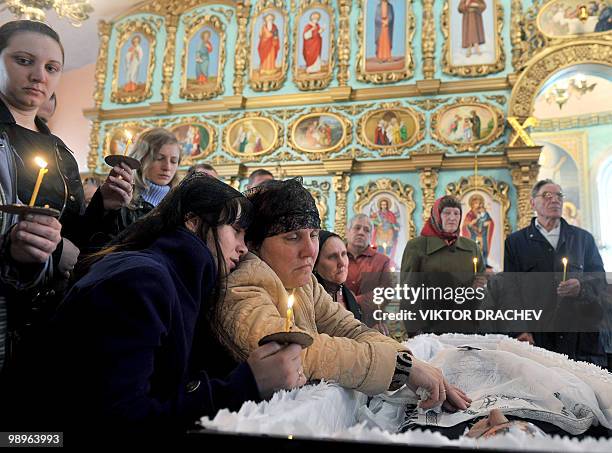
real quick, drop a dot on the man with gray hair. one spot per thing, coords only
(368, 269)
(542, 247)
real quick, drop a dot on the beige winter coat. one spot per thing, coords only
(344, 350)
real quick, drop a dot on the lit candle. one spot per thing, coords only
(289, 318)
(128, 134)
(475, 261)
(41, 173)
(564, 261)
(384, 247)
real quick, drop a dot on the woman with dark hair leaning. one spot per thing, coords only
(284, 237)
(331, 270)
(31, 63)
(119, 351)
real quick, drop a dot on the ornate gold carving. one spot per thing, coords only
(344, 42)
(533, 78)
(345, 139)
(501, 100)
(428, 39)
(498, 190)
(119, 129)
(320, 193)
(534, 41)
(194, 22)
(104, 32)
(428, 178)
(403, 192)
(385, 76)
(428, 148)
(212, 136)
(341, 184)
(243, 8)
(429, 103)
(252, 117)
(267, 83)
(318, 80)
(149, 28)
(519, 46)
(168, 68)
(388, 150)
(478, 69)
(228, 13)
(94, 143)
(524, 176)
(496, 114)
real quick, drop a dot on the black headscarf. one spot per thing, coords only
(280, 207)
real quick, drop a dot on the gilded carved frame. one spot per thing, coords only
(347, 133)
(194, 120)
(320, 192)
(389, 150)
(276, 142)
(148, 28)
(498, 124)
(193, 23)
(277, 82)
(316, 82)
(110, 129)
(477, 69)
(498, 190)
(385, 76)
(403, 192)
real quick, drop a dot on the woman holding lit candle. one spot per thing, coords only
(285, 239)
(159, 154)
(132, 366)
(440, 257)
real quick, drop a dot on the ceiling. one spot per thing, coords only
(81, 43)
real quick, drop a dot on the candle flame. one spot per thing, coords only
(290, 301)
(475, 260)
(564, 261)
(40, 162)
(128, 135)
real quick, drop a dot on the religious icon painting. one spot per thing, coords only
(134, 62)
(203, 57)
(467, 125)
(269, 46)
(391, 129)
(314, 45)
(116, 139)
(573, 18)
(320, 132)
(473, 43)
(386, 29)
(252, 136)
(196, 140)
(484, 205)
(390, 205)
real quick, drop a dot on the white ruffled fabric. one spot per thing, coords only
(328, 411)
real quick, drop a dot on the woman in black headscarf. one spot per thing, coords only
(331, 270)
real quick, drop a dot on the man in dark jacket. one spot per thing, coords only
(541, 247)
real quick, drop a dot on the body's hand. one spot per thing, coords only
(526, 336)
(569, 288)
(118, 188)
(431, 379)
(277, 367)
(35, 238)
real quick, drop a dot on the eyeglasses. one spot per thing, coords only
(550, 195)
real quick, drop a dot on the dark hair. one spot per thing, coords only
(211, 200)
(449, 201)
(19, 26)
(195, 168)
(259, 172)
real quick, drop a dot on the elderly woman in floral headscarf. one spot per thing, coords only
(284, 239)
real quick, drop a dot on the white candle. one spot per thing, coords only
(289, 318)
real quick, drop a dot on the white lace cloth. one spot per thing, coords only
(532, 375)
